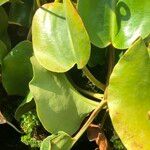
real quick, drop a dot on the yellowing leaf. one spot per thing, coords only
(59, 37)
(129, 97)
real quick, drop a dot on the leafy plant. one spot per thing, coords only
(73, 61)
(29, 123)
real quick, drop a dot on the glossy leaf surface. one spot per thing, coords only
(21, 12)
(119, 22)
(59, 106)
(129, 97)
(17, 69)
(60, 141)
(59, 37)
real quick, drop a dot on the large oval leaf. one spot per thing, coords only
(59, 106)
(119, 22)
(129, 97)
(59, 37)
(60, 141)
(17, 69)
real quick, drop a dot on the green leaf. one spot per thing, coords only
(98, 56)
(119, 22)
(17, 69)
(3, 2)
(59, 106)
(21, 13)
(129, 97)
(25, 106)
(3, 21)
(3, 51)
(60, 141)
(6, 40)
(3, 28)
(59, 37)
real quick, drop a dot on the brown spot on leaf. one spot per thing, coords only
(137, 145)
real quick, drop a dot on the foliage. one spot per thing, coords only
(67, 62)
(29, 122)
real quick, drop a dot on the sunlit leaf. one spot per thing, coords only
(129, 97)
(119, 22)
(59, 37)
(59, 106)
(17, 69)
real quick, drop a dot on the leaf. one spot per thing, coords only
(17, 69)
(59, 37)
(25, 106)
(6, 40)
(3, 28)
(129, 97)
(21, 13)
(59, 106)
(119, 22)
(60, 141)
(98, 56)
(3, 20)
(3, 51)
(3, 2)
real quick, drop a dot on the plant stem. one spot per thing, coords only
(38, 3)
(111, 62)
(93, 79)
(29, 36)
(92, 94)
(9, 123)
(104, 119)
(89, 121)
